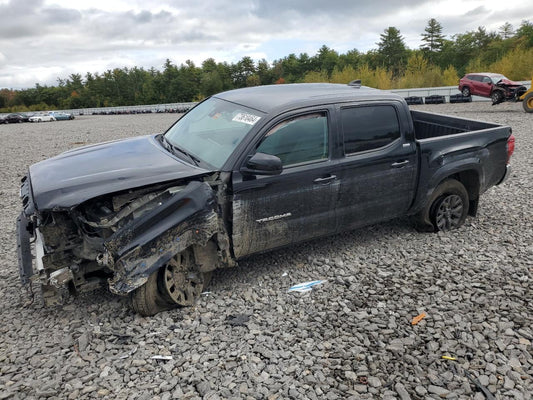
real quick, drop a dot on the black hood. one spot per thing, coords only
(78, 175)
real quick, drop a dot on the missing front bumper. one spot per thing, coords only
(24, 249)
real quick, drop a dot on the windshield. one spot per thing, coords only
(211, 131)
(497, 78)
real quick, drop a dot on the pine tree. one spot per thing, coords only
(525, 34)
(392, 50)
(433, 39)
(506, 31)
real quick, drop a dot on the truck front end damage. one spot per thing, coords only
(119, 239)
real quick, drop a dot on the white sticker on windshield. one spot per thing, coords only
(249, 119)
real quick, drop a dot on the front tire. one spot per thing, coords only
(181, 283)
(147, 300)
(178, 283)
(446, 209)
(497, 97)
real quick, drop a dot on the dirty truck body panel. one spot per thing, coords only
(449, 146)
(243, 172)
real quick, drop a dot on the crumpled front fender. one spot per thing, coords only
(149, 242)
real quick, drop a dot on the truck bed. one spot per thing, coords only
(449, 146)
(428, 125)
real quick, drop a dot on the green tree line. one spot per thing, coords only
(439, 61)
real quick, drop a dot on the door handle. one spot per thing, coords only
(400, 164)
(325, 179)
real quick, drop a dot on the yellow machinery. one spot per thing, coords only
(527, 99)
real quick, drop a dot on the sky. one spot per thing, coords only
(43, 40)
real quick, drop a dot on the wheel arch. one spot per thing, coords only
(470, 179)
(206, 256)
(470, 175)
(138, 249)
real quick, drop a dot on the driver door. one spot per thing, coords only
(299, 203)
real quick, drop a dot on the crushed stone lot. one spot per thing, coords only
(248, 338)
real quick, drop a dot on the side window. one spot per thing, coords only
(369, 127)
(486, 79)
(298, 140)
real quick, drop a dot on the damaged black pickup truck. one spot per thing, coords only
(243, 172)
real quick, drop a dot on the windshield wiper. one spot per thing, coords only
(165, 143)
(194, 160)
(173, 149)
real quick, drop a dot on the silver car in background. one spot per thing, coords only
(42, 118)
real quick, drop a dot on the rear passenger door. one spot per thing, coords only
(377, 170)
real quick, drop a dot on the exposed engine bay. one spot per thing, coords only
(505, 90)
(122, 238)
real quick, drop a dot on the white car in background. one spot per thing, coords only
(42, 118)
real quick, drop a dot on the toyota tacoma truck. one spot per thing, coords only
(243, 172)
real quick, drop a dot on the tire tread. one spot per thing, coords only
(145, 299)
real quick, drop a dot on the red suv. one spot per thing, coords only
(495, 86)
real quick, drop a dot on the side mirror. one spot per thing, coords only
(262, 164)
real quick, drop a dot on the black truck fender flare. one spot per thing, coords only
(145, 245)
(470, 174)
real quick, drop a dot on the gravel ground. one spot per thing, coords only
(248, 338)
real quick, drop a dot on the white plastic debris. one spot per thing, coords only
(162, 358)
(128, 354)
(306, 286)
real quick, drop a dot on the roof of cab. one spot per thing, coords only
(272, 97)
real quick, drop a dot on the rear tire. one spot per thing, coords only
(466, 92)
(446, 209)
(527, 103)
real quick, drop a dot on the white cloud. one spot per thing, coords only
(42, 40)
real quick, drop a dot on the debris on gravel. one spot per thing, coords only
(249, 338)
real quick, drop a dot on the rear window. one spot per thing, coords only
(369, 127)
